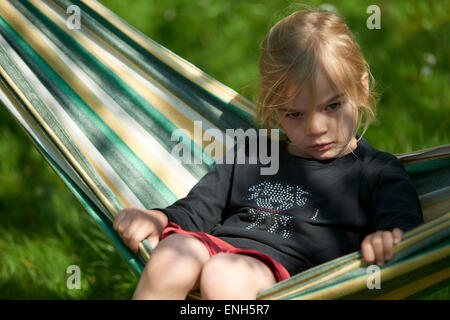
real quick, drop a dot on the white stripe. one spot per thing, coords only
(151, 144)
(139, 76)
(53, 152)
(185, 68)
(143, 136)
(65, 119)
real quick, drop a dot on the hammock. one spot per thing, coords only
(100, 104)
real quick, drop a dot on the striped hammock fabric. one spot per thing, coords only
(101, 103)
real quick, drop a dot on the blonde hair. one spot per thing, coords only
(296, 50)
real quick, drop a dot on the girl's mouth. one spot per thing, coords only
(322, 147)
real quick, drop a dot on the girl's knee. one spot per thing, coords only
(177, 258)
(221, 265)
(173, 269)
(234, 276)
(178, 247)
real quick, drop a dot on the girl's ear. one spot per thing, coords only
(365, 81)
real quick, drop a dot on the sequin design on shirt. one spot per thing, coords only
(272, 199)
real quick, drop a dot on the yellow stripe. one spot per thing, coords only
(105, 179)
(295, 287)
(173, 182)
(30, 121)
(423, 158)
(424, 154)
(57, 142)
(433, 209)
(170, 112)
(443, 218)
(416, 286)
(352, 286)
(410, 238)
(142, 251)
(175, 62)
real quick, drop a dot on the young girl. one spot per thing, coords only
(238, 232)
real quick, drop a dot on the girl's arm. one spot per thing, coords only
(202, 208)
(395, 203)
(395, 209)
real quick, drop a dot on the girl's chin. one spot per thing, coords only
(325, 157)
(330, 153)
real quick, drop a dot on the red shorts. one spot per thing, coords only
(215, 245)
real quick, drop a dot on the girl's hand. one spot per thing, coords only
(135, 225)
(379, 246)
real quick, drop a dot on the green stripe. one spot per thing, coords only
(400, 281)
(428, 181)
(313, 274)
(223, 115)
(330, 267)
(13, 70)
(429, 165)
(19, 107)
(434, 290)
(143, 112)
(129, 167)
(360, 272)
(134, 261)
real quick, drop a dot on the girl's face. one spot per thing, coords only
(324, 133)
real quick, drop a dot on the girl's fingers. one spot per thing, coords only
(153, 239)
(122, 216)
(118, 219)
(134, 227)
(388, 244)
(397, 235)
(367, 249)
(124, 225)
(137, 236)
(377, 244)
(131, 234)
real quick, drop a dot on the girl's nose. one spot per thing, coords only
(317, 124)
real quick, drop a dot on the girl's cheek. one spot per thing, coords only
(297, 132)
(287, 123)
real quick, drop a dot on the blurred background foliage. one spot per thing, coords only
(44, 229)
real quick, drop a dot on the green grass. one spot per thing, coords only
(44, 229)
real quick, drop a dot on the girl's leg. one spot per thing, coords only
(234, 276)
(173, 270)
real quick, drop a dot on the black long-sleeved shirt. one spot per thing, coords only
(309, 212)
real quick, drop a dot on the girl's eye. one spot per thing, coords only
(334, 106)
(294, 115)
